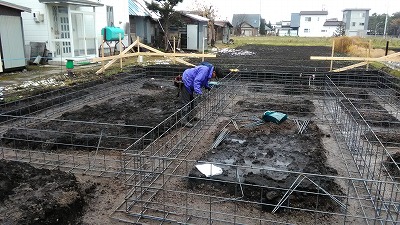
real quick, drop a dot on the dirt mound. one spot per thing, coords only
(38, 196)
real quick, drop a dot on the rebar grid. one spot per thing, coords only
(156, 166)
(370, 156)
(162, 168)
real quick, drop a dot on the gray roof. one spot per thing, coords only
(14, 6)
(313, 12)
(223, 23)
(356, 9)
(73, 2)
(295, 20)
(139, 8)
(251, 19)
(196, 17)
(333, 23)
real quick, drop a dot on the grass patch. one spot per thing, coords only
(376, 42)
(281, 41)
(383, 67)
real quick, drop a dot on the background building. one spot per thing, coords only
(356, 22)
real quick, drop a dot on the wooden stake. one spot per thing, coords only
(368, 53)
(102, 52)
(333, 53)
(174, 50)
(120, 52)
(138, 41)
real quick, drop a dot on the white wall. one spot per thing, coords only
(121, 16)
(40, 32)
(33, 31)
(330, 31)
(315, 26)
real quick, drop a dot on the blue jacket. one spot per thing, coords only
(196, 78)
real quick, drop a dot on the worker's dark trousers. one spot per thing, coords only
(186, 98)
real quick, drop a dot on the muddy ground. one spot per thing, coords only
(56, 197)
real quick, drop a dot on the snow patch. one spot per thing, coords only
(236, 52)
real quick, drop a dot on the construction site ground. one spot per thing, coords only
(113, 112)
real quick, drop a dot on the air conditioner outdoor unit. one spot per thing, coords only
(38, 17)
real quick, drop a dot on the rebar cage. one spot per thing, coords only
(356, 110)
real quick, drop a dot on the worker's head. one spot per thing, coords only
(217, 73)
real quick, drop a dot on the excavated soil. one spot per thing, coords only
(263, 153)
(134, 114)
(39, 196)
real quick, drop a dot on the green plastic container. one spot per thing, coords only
(70, 64)
(112, 33)
(275, 117)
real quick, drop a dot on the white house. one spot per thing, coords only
(331, 27)
(71, 29)
(356, 21)
(311, 23)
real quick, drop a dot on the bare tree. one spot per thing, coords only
(209, 12)
(240, 20)
(165, 8)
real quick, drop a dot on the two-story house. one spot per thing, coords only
(311, 23)
(356, 21)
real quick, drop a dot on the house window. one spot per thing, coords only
(306, 30)
(353, 24)
(361, 24)
(110, 16)
(323, 31)
(362, 15)
(308, 18)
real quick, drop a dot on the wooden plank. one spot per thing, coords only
(353, 59)
(189, 55)
(365, 63)
(103, 68)
(157, 51)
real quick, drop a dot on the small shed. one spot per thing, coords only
(143, 22)
(195, 36)
(223, 31)
(11, 36)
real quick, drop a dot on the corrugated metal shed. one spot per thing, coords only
(14, 6)
(138, 8)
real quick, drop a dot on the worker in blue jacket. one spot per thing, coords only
(193, 80)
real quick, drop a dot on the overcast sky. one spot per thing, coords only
(277, 10)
